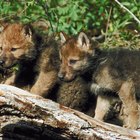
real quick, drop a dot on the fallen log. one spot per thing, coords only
(31, 117)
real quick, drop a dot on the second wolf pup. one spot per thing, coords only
(116, 72)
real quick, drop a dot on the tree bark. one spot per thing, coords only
(26, 116)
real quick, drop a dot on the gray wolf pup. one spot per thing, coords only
(114, 71)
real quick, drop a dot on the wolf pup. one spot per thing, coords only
(18, 46)
(73, 94)
(115, 71)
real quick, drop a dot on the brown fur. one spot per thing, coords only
(75, 95)
(47, 66)
(116, 71)
(18, 44)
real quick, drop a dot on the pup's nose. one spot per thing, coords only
(1, 62)
(61, 76)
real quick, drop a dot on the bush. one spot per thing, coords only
(72, 16)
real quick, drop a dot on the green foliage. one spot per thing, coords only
(24, 11)
(72, 16)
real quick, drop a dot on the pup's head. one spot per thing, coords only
(16, 43)
(75, 56)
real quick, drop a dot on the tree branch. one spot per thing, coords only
(27, 116)
(128, 11)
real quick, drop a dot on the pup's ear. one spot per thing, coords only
(3, 25)
(27, 31)
(63, 37)
(83, 41)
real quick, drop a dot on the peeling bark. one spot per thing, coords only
(26, 116)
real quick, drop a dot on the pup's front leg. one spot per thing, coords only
(102, 107)
(103, 103)
(44, 83)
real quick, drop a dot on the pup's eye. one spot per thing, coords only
(72, 61)
(13, 49)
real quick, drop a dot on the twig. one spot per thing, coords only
(128, 11)
(107, 26)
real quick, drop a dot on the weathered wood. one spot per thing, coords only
(27, 116)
